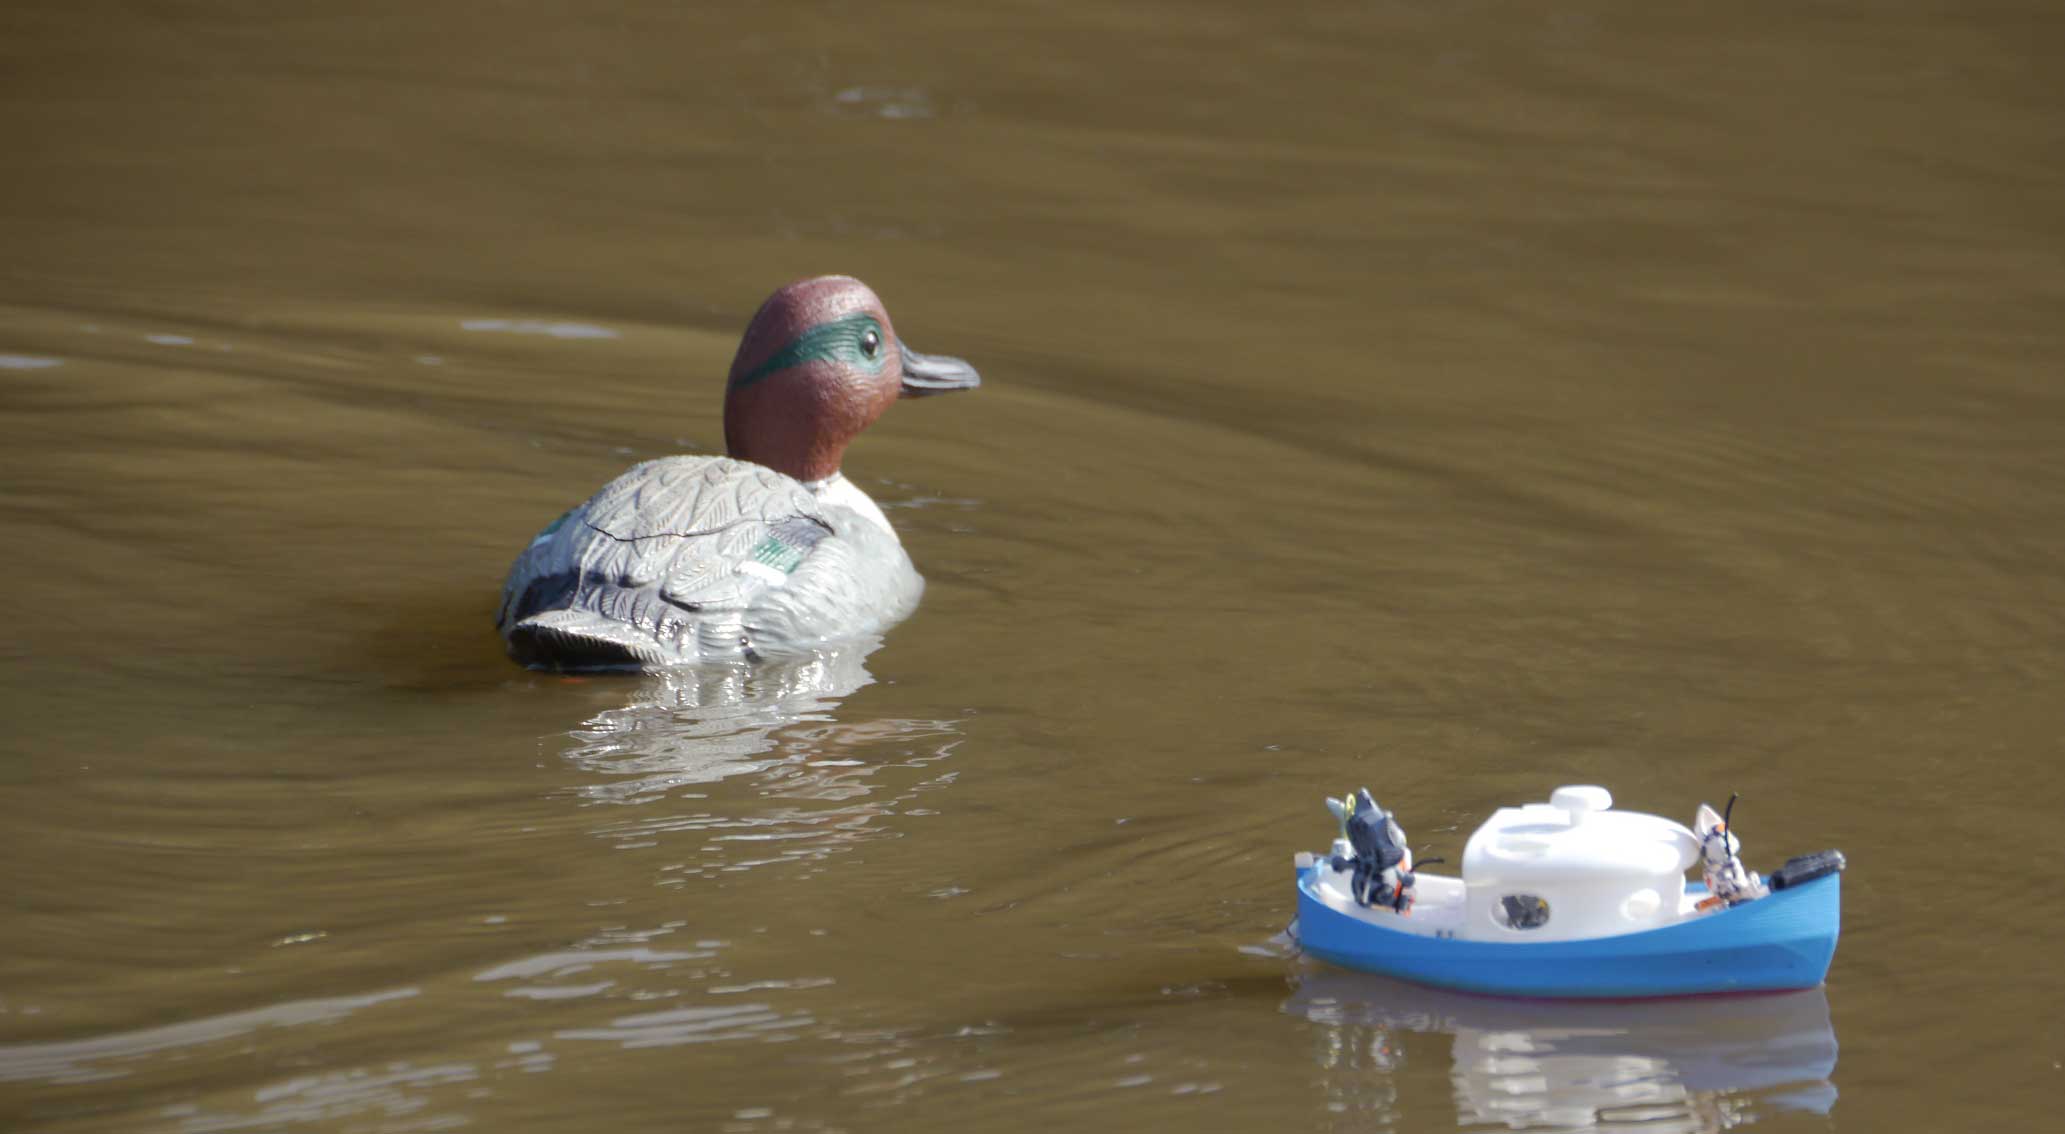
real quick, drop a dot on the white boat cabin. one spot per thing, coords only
(1574, 867)
(1566, 869)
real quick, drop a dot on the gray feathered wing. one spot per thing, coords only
(692, 558)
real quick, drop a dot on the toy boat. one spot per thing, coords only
(1570, 899)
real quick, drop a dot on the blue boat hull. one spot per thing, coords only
(1783, 941)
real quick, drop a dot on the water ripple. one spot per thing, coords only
(885, 102)
(85, 1061)
(695, 1025)
(539, 327)
(396, 1091)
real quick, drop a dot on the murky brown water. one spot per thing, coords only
(1458, 399)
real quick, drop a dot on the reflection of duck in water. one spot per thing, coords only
(1676, 1066)
(767, 551)
(741, 765)
(700, 724)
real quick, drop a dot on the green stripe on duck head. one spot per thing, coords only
(856, 340)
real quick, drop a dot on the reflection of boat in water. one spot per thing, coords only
(1673, 1066)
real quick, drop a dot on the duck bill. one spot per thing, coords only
(928, 374)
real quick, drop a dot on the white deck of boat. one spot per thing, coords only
(1438, 908)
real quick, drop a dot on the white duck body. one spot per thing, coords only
(688, 559)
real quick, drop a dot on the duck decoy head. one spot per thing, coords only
(817, 365)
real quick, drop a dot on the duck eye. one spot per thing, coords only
(870, 342)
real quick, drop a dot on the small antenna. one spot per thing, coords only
(1732, 797)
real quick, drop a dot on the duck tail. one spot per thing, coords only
(576, 639)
